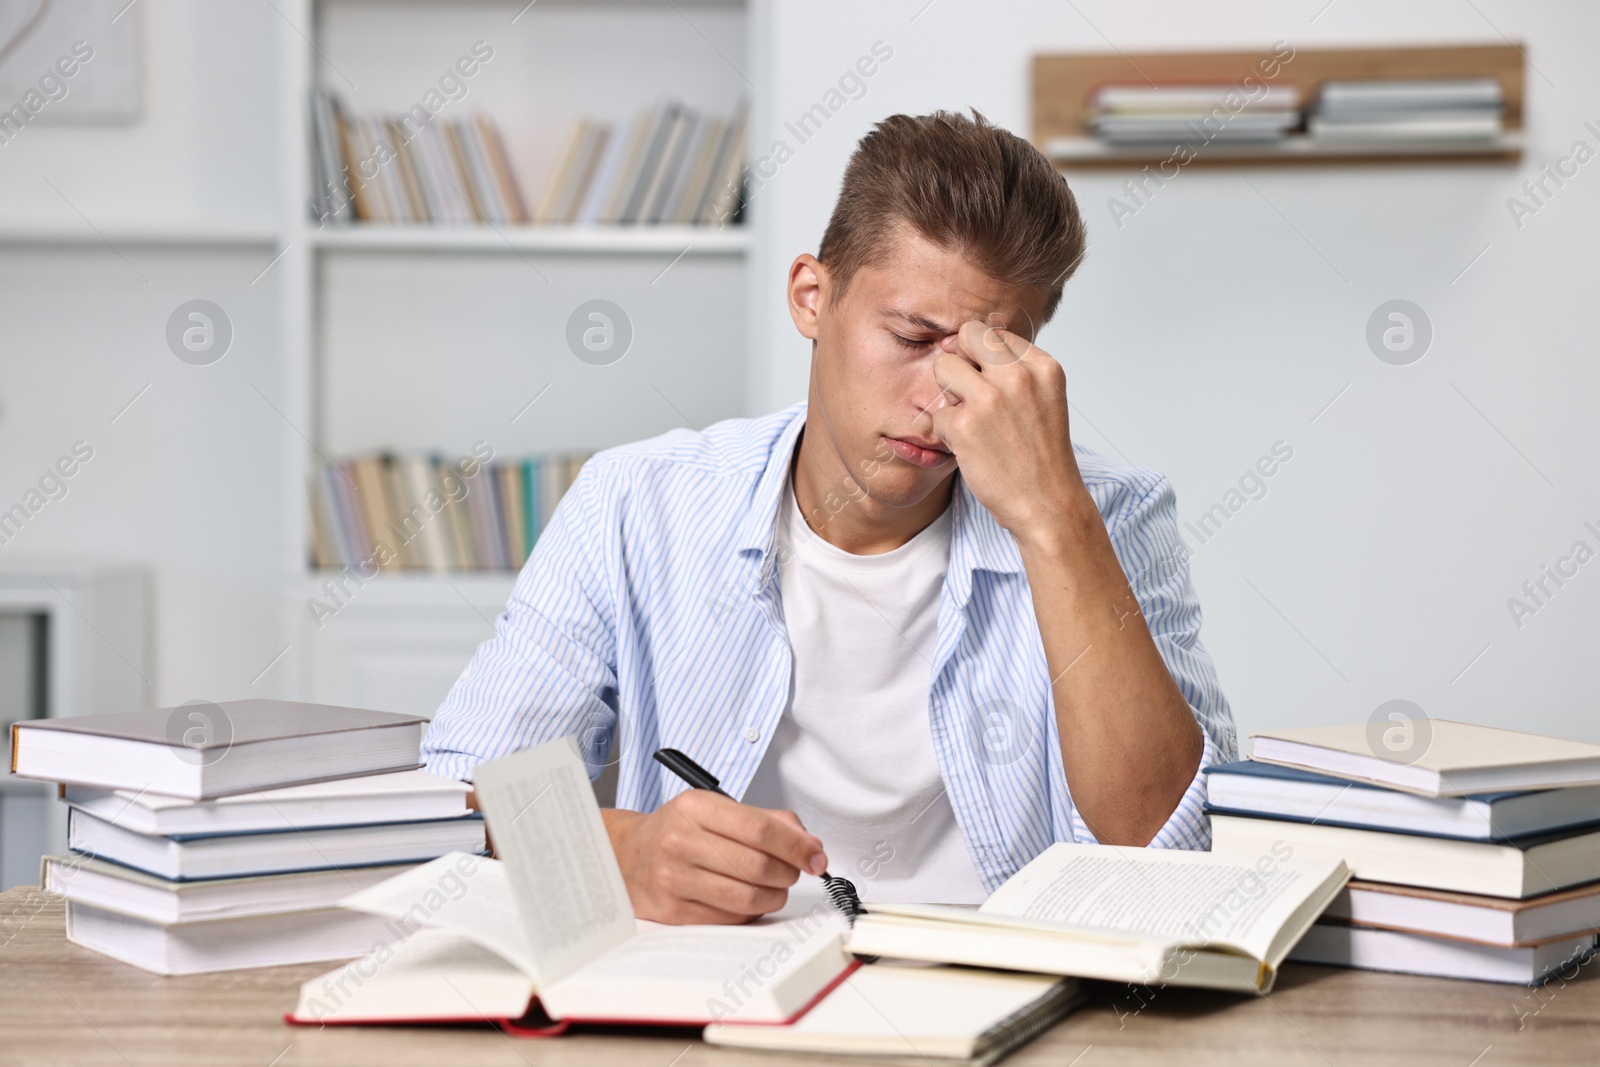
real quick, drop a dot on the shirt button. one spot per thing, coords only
(752, 735)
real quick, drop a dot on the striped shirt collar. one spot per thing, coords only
(977, 541)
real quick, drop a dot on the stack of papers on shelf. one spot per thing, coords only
(1194, 114)
(1466, 864)
(178, 869)
(1423, 109)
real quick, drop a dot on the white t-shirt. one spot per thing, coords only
(853, 754)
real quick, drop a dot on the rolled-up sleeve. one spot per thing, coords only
(549, 670)
(1144, 533)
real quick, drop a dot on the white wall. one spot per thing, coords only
(1197, 335)
(202, 149)
(187, 479)
(1228, 312)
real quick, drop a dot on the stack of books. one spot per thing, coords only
(1478, 858)
(398, 169)
(670, 165)
(1193, 114)
(212, 837)
(1422, 109)
(426, 513)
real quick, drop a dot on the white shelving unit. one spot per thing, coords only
(369, 337)
(431, 337)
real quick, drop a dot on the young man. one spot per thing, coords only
(916, 630)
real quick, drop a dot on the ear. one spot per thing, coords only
(807, 280)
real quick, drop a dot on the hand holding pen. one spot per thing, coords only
(703, 857)
(841, 891)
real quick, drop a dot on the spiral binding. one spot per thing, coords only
(842, 892)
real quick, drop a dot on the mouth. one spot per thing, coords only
(919, 451)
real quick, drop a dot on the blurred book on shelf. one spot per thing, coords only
(1143, 114)
(1421, 109)
(669, 165)
(388, 512)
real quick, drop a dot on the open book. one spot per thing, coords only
(1152, 916)
(482, 939)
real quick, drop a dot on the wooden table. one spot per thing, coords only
(66, 1005)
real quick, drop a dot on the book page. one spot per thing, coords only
(710, 954)
(545, 824)
(1193, 897)
(467, 895)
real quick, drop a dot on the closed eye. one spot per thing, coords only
(907, 342)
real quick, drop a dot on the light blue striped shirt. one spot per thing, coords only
(650, 612)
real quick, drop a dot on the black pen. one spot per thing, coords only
(687, 769)
(840, 890)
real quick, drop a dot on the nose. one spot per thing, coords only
(925, 393)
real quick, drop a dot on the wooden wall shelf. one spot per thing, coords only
(1062, 85)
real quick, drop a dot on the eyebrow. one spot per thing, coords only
(922, 322)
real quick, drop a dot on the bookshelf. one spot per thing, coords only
(1062, 85)
(417, 337)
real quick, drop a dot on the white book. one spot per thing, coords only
(1195, 99)
(224, 944)
(1408, 127)
(1212, 919)
(403, 796)
(669, 170)
(652, 162)
(1409, 94)
(706, 128)
(554, 921)
(561, 174)
(429, 528)
(1251, 787)
(1391, 950)
(199, 751)
(1435, 757)
(184, 858)
(1516, 867)
(454, 205)
(484, 188)
(699, 179)
(918, 1013)
(645, 128)
(113, 887)
(1469, 916)
(594, 143)
(727, 187)
(605, 175)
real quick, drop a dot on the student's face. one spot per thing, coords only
(872, 388)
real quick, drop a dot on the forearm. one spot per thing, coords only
(1130, 743)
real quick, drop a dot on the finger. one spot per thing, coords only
(990, 345)
(681, 912)
(731, 895)
(762, 830)
(957, 377)
(733, 859)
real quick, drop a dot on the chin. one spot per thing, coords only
(906, 487)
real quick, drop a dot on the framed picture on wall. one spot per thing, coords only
(70, 60)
